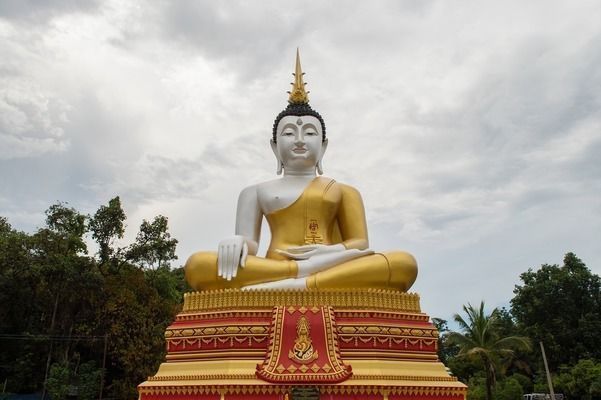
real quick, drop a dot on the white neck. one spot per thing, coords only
(305, 172)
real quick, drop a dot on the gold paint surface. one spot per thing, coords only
(298, 94)
(379, 299)
(365, 372)
(327, 212)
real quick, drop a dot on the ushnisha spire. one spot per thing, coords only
(298, 94)
(298, 102)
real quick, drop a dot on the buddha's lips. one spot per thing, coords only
(299, 150)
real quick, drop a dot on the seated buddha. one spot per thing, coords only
(318, 229)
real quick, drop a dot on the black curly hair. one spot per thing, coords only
(300, 110)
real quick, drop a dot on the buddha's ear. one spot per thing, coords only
(274, 148)
(324, 146)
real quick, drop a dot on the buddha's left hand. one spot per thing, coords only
(310, 250)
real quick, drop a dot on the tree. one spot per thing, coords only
(58, 381)
(58, 303)
(68, 223)
(582, 381)
(561, 306)
(107, 225)
(154, 247)
(480, 340)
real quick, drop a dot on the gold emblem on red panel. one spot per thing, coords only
(303, 351)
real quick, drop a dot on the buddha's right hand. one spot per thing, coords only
(231, 254)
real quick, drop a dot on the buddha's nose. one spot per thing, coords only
(299, 140)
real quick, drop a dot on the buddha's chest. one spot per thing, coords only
(281, 194)
(309, 195)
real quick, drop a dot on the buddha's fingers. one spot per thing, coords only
(228, 262)
(220, 256)
(244, 255)
(236, 258)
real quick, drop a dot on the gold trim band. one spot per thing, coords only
(225, 377)
(342, 298)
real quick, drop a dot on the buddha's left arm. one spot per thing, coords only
(351, 219)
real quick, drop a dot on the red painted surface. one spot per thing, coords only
(417, 337)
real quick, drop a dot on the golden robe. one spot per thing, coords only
(327, 212)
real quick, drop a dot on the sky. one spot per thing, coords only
(471, 128)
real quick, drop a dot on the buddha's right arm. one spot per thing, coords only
(248, 218)
(232, 251)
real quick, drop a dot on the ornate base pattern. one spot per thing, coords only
(348, 344)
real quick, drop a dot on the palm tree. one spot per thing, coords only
(480, 339)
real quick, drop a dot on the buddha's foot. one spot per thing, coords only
(292, 283)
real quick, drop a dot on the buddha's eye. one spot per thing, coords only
(311, 133)
(287, 133)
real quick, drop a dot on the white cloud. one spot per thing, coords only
(31, 121)
(471, 129)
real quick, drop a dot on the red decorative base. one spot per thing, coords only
(360, 344)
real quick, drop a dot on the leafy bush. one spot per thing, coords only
(58, 381)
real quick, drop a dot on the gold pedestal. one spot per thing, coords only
(350, 344)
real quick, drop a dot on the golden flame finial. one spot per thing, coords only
(298, 94)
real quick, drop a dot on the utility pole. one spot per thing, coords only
(51, 345)
(542, 349)
(106, 336)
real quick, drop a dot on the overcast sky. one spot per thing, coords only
(472, 128)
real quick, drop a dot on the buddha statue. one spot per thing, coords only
(318, 227)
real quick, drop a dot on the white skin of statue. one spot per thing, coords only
(299, 150)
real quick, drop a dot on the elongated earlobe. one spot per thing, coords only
(319, 165)
(280, 166)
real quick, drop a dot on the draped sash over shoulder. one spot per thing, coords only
(311, 219)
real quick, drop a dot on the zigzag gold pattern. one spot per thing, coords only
(218, 330)
(266, 313)
(350, 298)
(253, 376)
(384, 315)
(380, 330)
(215, 340)
(389, 340)
(402, 390)
(329, 389)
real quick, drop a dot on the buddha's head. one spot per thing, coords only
(299, 132)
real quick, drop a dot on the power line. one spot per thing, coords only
(9, 336)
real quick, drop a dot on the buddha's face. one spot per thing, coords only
(299, 143)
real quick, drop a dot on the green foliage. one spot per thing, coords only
(446, 350)
(58, 381)
(68, 223)
(476, 388)
(508, 389)
(88, 381)
(525, 382)
(561, 306)
(154, 247)
(481, 340)
(49, 285)
(582, 381)
(107, 225)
